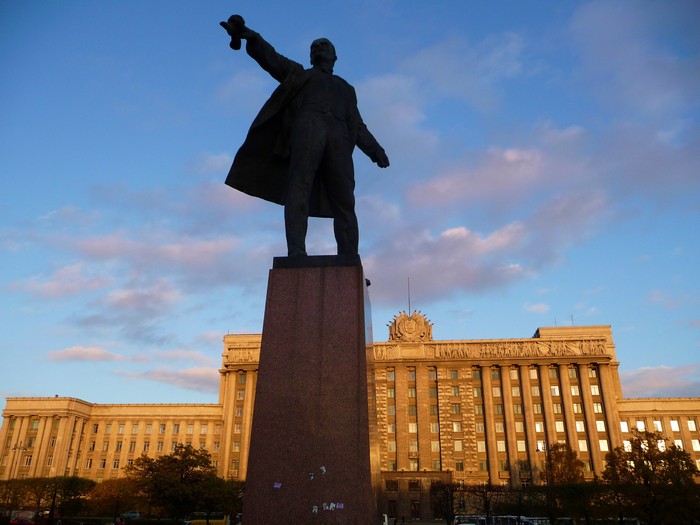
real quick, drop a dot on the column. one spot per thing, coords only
(589, 416)
(489, 424)
(509, 424)
(530, 434)
(567, 406)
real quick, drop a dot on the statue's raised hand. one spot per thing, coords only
(235, 27)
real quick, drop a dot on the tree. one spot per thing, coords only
(442, 496)
(178, 483)
(112, 497)
(649, 480)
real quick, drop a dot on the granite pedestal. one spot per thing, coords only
(310, 449)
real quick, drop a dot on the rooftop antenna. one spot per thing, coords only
(408, 279)
(572, 319)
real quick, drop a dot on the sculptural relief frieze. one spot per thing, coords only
(498, 349)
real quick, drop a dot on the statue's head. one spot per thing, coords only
(322, 52)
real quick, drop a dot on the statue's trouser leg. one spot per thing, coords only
(307, 149)
(339, 181)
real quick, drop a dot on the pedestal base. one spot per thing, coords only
(310, 454)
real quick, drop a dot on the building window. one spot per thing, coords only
(501, 445)
(691, 425)
(521, 445)
(556, 408)
(479, 427)
(120, 428)
(161, 428)
(391, 428)
(132, 446)
(456, 426)
(391, 465)
(135, 428)
(412, 410)
(574, 390)
(495, 373)
(595, 391)
(603, 445)
(432, 392)
(456, 408)
(413, 428)
(149, 428)
(240, 395)
(159, 447)
(391, 410)
(108, 428)
(237, 428)
(146, 446)
(496, 391)
(432, 374)
(477, 391)
(481, 446)
(533, 373)
(624, 427)
(657, 426)
(119, 446)
(580, 426)
(457, 445)
(578, 408)
(411, 374)
(88, 463)
(391, 446)
(483, 465)
(95, 428)
(553, 374)
(115, 464)
(435, 446)
(696, 445)
(454, 375)
(455, 390)
(519, 426)
(203, 429)
(176, 428)
(390, 375)
(103, 463)
(678, 443)
(517, 409)
(537, 408)
(592, 372)
(499, 426)
(390, 393)
(478, 409)
(434, 427)
(498, 409)
(554, 389)
(535, 391)
(190, 429)
(600, 426)
(641, 426)
(572, 373)
(413, 465)
(236, 446)
(582, 445)
(91, 447)
(515, 391)
(675, 427)
(539, 426)
(514, 374)
(412, 392)
(476, 375)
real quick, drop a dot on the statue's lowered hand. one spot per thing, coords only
(381, 159)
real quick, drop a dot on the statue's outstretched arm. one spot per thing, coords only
(278, 66)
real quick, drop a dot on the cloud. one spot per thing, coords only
(84, 353)
(185, 355)
(619, 44)
(64, 282)
(536, 308)
(198, 379)
(662, 381)
(458, 69)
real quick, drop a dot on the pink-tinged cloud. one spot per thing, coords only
(185, 355)
(662, 381)
(64, 282)
(199, 379)
(84, 353)
(156, 297)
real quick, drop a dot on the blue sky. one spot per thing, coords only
(544, 171)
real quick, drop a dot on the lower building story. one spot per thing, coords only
(460, 411)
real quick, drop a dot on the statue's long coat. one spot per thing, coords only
(260, 168)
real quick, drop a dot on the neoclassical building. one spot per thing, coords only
(465, 410)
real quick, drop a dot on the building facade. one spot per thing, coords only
(472, 411)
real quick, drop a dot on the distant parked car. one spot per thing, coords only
(131, 515)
